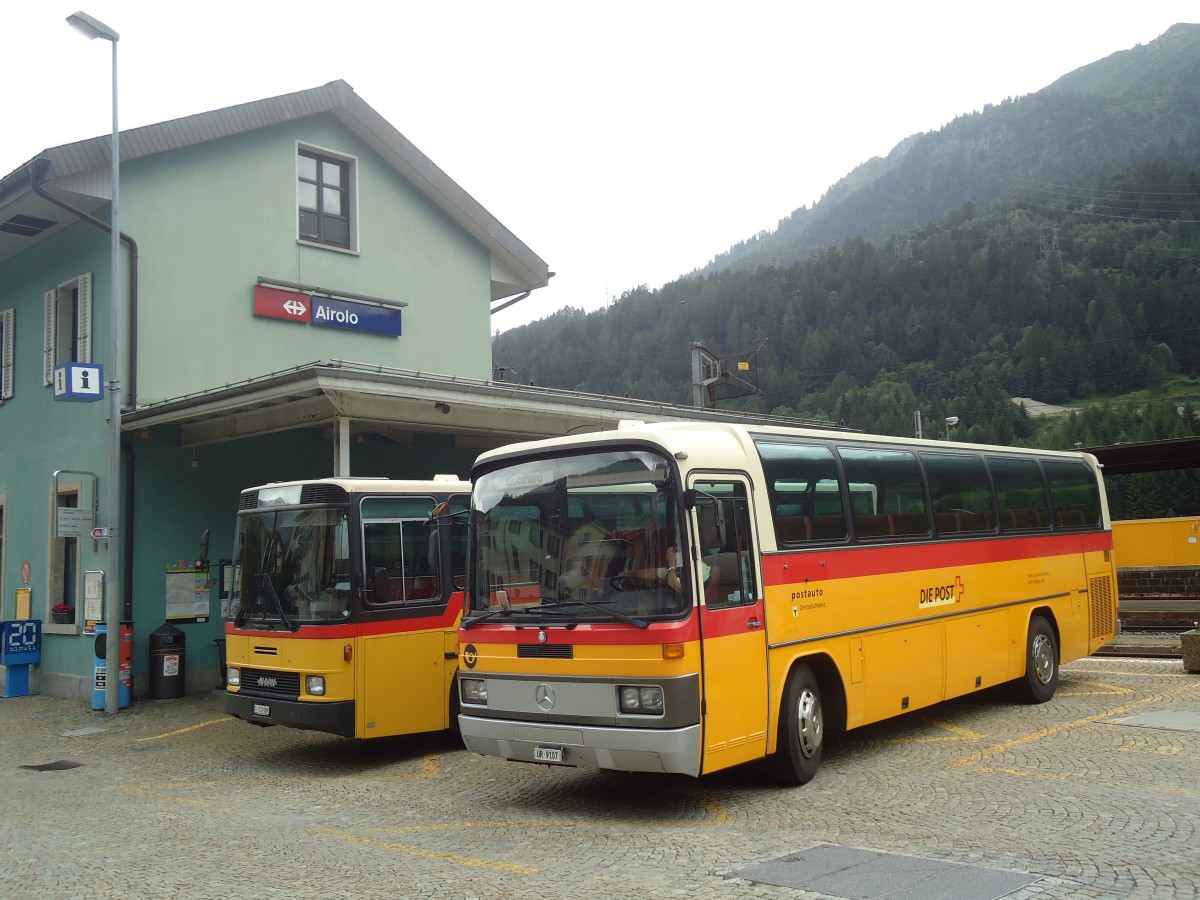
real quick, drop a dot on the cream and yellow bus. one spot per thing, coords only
(345, 604)
(687, 597)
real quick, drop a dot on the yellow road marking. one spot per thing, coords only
(167, 792)
(1066, 726)
(956, 734)
(1108, 689)
(159, 737)
(424, 853)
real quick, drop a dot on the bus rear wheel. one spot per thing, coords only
(1041, 664)
(801, 730)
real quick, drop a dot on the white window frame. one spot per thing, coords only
(57, 558)
(8, 342)
(56, 301)
(5, 612)
(352, 192)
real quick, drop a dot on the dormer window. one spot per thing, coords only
(324, 194)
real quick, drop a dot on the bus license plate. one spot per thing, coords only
(261, 709)
(548, 754)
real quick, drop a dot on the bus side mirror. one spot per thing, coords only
(379, 584)
(712, 523)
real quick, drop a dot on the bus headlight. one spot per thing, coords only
(315, 685)
(233, 676)
(474, 690)
(641, 700)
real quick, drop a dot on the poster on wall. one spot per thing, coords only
(187, 594)
(93, 600)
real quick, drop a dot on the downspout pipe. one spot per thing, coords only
(496, 309)
(35, 183)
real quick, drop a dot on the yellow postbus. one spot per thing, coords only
(344, 605)
(687, 597)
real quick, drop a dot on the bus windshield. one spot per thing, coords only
(592, 537)
(292, 567)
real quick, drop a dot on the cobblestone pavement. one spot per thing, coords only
(1095, 794)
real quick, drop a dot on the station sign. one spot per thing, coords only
(72, 521)
(280, 304)
(356, 316)
(314, 309)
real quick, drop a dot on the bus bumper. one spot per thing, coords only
(333, 718)
(623, 749)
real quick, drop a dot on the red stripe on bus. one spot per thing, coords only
(827, 563)
(676, 632)
(346, 630)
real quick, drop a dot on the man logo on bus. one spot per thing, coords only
(470, 656)
(942, 594)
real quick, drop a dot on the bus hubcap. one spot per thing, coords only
(810, 730)
(1043, 659)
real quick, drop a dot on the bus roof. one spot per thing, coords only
(439, 484)
(723, 444)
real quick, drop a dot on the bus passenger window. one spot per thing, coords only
(1073, 493)
(894, 477)
(1020, 493)
(805, 492)
(960, 491)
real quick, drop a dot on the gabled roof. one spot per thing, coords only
(82, 167)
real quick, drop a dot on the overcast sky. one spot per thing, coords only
(626, 142)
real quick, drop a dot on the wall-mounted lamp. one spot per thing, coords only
(442, 407)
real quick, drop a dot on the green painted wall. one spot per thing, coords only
(208, 221)
(211, 219)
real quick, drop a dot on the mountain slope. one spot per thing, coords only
(1137, 104)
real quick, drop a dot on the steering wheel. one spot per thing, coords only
(627, 581)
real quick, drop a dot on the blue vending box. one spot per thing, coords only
(101, 668)
(20, 647)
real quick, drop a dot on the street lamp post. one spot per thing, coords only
(94, 28)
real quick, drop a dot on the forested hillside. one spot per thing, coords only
(1067, 273)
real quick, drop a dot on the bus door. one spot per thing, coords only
(401, 664)
(732, 624)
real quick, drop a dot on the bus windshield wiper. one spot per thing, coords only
(623, 617)
(264, 586)
(502, 611)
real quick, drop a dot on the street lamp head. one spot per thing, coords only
(92, 28)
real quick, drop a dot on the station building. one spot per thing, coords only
(303, 293)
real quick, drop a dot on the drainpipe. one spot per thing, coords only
(35, 177)
(496, 309)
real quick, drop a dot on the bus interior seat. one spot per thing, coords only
(947, 522)
(794, 528)
(826, 528)
(1071, 518)
(872, 526)
(904, 524)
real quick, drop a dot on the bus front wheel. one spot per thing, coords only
(1041, 663)
(801, 729)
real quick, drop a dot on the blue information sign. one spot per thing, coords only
(20, 647)
(355, 316)
(22, 642)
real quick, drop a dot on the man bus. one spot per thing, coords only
(345, 605)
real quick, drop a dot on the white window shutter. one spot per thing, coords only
(6, 352)
(83, 311)
(48, 355)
